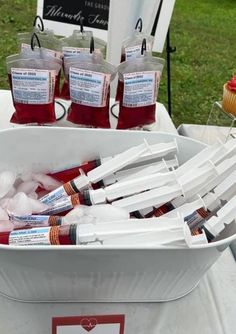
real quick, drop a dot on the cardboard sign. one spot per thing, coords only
(95, 13)
(89, 324)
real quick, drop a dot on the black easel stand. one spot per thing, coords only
(169, 50)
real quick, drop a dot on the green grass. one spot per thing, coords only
(16, 16)
(203, 32)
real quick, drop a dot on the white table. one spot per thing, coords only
(210, 308)
(206, 133)
(163, 120)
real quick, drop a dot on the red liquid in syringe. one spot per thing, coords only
(71, 173)
(53, 235)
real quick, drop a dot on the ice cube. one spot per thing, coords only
(11, 192)
(107, 212)
(46, 181)
(3, 214)
(22, 205)
(27, 187)
(19, 205)
(7, 180)
(101, 212)
(33, 195)
(37, 206)
(6, 225)
(4, 202)
(26, 177)
(78, 211)
(78, 216)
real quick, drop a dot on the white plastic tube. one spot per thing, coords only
(192, 240)
(159, 151)
(156, 151)
(116, 163)
(139, 171)
(225, 216)
(211, 201)
(200, 158)
(224, 169)
(92, 232)
(126, 174)
(150, 239)
(125, 188)
(194, 179)
(226, 189)
(186, 209)
(156, 197)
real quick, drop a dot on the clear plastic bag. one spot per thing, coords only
(32, 82)
(138, 85)
(131, 46)
(77, 43)
(89, 77)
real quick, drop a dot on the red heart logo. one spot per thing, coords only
(88, 324)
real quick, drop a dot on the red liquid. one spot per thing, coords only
(71, 173)
(97, 117)
(134, 117)
(64, 235)
(57, 85)
(4, 237)
(32, 113)
(65, 91)
(119, 91)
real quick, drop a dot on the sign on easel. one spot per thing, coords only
(111, 20)
(64, 16)
(95, 13)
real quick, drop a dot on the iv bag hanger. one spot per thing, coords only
(169, 50)
(139, 25)
(40, 25)
(81, 25)
(92, 45)
(144, 46)
(32, 42)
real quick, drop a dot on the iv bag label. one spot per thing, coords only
(34, 236)
(31, 86)
(69, 51)
(134, 51)
(140, 88)
(88, 87)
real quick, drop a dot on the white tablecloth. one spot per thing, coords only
(210, 308)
